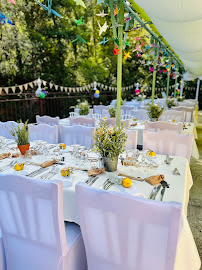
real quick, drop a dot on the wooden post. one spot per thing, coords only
(154, 71)
(197, 89)
(177, 69)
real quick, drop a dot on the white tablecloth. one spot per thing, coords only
(187, 254)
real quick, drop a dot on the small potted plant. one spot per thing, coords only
(21, 136)
(83, 107)
(112, 112)
(154, 111)
(110, 143)
(170, 102)
(179, 99)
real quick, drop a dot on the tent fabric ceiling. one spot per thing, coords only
(180, 24)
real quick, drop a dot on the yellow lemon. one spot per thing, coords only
(126, 182)
(134, 119)
(62, 146)
(17, 167)
(174, 121)
(105, 118)
(65, 172)
(152, 154)
(21, 166)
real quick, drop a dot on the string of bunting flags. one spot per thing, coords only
(88, 87)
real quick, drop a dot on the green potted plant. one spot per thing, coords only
(110, 143)
(112, 112)
(179, 99)
(83, 107)
(21, 136)
(170, 102)
(154, 111)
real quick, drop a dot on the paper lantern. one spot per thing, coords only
(43, 91)
(96, 95)
(137, 91)
(97, 91)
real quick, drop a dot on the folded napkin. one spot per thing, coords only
(153, 180)
(94, 172)
(15, 155)
(4, 155)
(133, 124)
(48, 163)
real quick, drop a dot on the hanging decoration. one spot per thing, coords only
(102, 14)
(97, 92)
(137, 90)
(126, 55)
(49, 9)
(102, 28)
(104, 41)
(4, 19)
(79, 22)
(116, 50)
(12, 1)
(80, 3)
(79, 39)
(116, 11)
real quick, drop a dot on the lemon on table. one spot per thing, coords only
(17, 167)
(65, 172)
(126, 182)
(152, 154)
(21, 166)
(174, 120)
(134, 119)
(62, 146)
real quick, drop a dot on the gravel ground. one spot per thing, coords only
(195, 202)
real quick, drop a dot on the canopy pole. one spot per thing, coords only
(197, 89)
(154, 71)
(168, 84)
(177, 69)
(119, 62)
(181, 87)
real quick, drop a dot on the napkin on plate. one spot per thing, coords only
(4, 155)
(48, 163)
(155, 179)
(94, 172)
(15, 155)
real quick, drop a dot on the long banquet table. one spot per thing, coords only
(187, 254)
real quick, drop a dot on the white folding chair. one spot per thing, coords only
(139, 114)
(131, 142)
(126, 109)
(97, 109)
(188, 112)
(160, 125)
(112, 122)
(5, 126)
(167, 142)
(82, 121)
(52, 121)
(124, 232)
(43, 132)
(2, 254)
(77, 135)
(32, 225)
(178, 116)
(105, 113)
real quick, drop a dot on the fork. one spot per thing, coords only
(35, 173)
(44, 176)
(53, 173)
(7, 166)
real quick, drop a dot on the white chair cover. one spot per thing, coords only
(168, 142)
(124, 232)
(2, 254)
(77, 135)
(5, 126)
(43, 132)
(82, 121)
(186, 104)
(52, 121)
(113, 102)
(178, 116)
(139, 114)
(131, 142)
(112, 122)
(160, 125)
(32, 226)
(98, 108)
(188, 112)
(126, 109)
(105, 113)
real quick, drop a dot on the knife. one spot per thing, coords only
(93, 181)
(163, 192)
(155, 194)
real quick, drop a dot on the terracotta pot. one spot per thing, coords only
(23, 148)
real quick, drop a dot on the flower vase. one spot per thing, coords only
(110, 165)
(154, 119)
(23, 148)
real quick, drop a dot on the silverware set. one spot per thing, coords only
(107, 184)
(50, 174)
(11, 164)
(156, 189)
(91, 180)
(37, 172)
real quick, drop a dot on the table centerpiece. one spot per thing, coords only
(154, 112)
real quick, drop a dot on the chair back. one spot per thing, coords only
(43, 132)
(126, 109)
(77, 135)
(98, 109)
(139, 114)
(121, 231)
(105, 113)
(160, 125)
(131, 142)
(32, 224)
(112, 122)
(90, 115)
(167, 142)
(188, 112)
(5, 126)
(82, 121)
(52, 121)
(178, 116)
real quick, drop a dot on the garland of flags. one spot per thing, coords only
(88, 87)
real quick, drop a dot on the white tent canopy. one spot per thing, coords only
(180, 23)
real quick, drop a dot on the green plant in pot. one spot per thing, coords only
(21, 136)
(170, 102)
(83, 107)
(154, 111)
(110, 143)
(112, 112)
